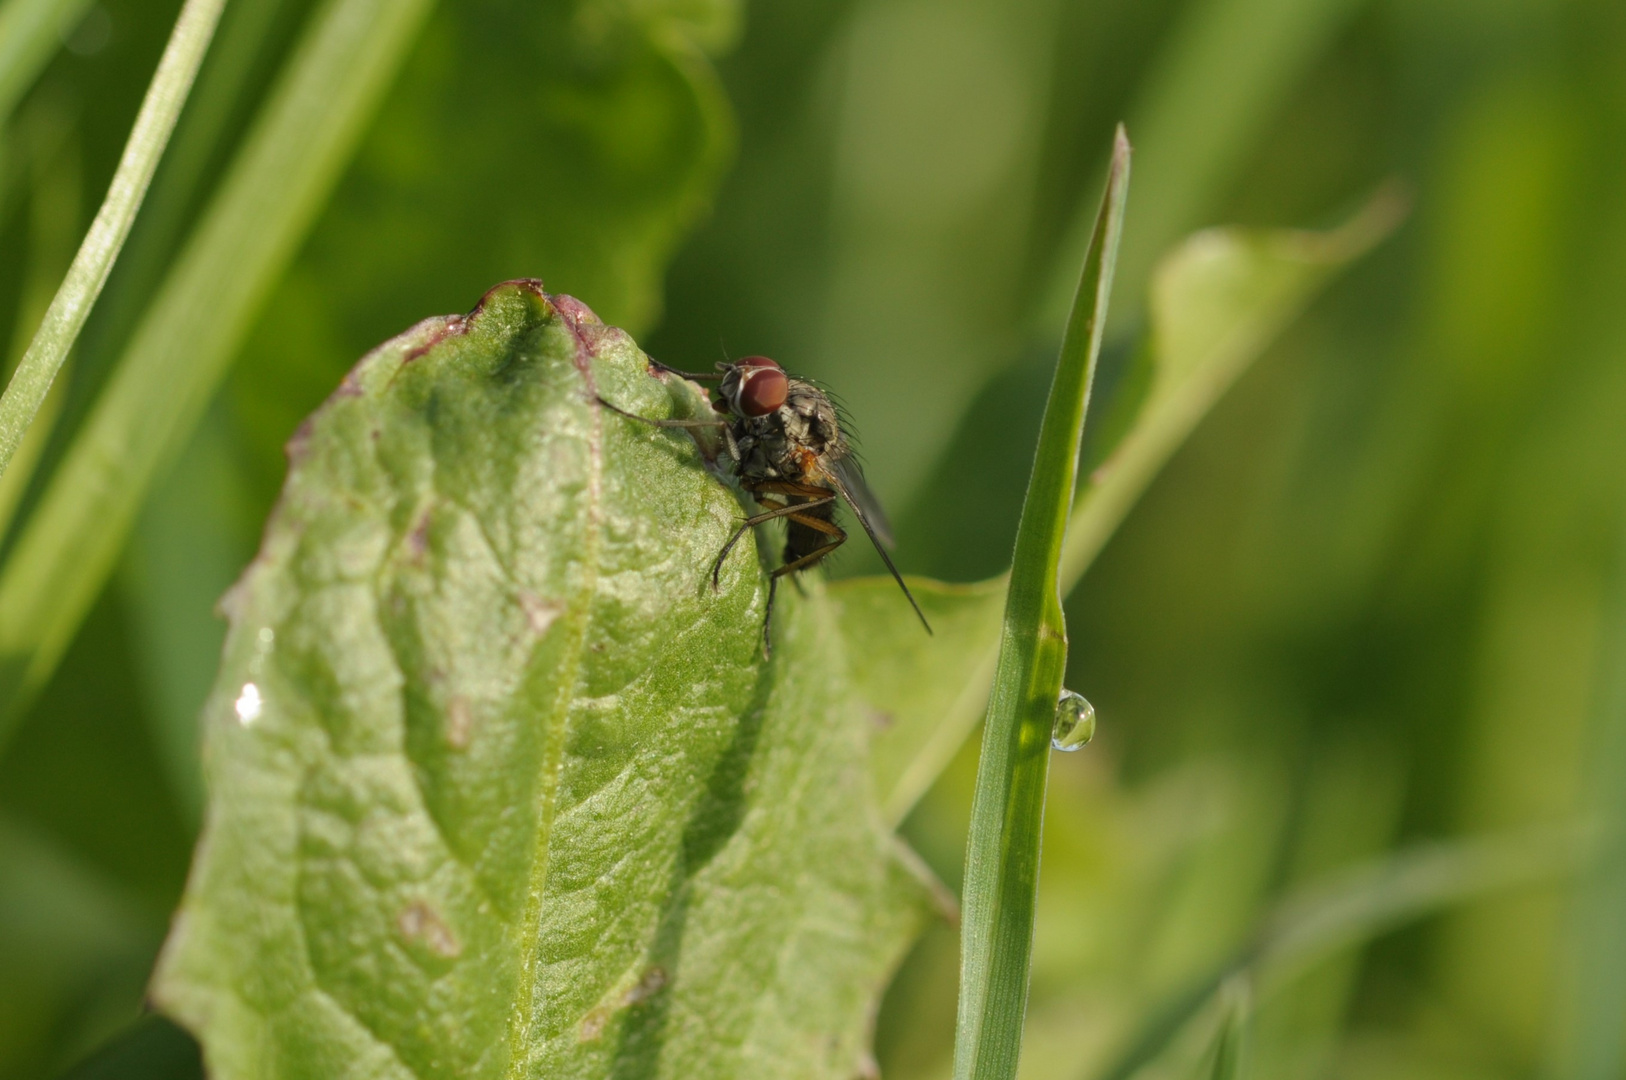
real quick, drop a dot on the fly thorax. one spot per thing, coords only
(809, 421)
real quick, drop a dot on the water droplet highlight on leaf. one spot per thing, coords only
(1075, 722)
(249, 704)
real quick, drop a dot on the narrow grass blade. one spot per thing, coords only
(1591, 1044)
(68, 311)
(1355, 906)
(31, 31)
(1230, 1042)
(182, 346)
(205, 134)
(1002, 858)
(151, 1048)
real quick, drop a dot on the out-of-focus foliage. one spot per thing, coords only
(1367, 605)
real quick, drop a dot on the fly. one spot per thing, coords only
(788, 451)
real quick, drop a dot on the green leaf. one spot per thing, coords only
(181, 348)
(1218, 300)
(31, 382)
(1002, 857)
(499, 786)
(911, 683)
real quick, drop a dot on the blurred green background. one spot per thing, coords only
(1378, 600)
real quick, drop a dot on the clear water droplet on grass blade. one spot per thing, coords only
(1075, 722)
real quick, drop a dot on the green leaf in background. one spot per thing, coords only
(499, 786)
(1219, 300)
(917, 688)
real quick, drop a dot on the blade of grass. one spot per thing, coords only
(66, 316)
(1358, 905)
(199, 138)
(151, 1048)
(182, 346)
(1002, 857)
(1230, 1042)
(31, 31)
(1591, 1045)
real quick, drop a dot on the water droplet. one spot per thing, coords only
(267, 636)
(249, 704)
(1075, 722)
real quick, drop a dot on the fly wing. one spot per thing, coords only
(849, 481)
(865, 505)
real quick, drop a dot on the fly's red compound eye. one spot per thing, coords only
(763, 386)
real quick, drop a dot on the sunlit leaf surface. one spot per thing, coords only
(917, 687)
(498, 785)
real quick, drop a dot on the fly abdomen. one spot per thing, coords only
(803, 540)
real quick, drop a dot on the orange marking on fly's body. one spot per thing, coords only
(808, 461)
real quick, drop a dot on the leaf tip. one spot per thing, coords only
(1118, 171)
(1379, 216)
(1121, 149)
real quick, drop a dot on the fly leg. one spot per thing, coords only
(655, 422)
(778, 510)
(814, 496)
(838, 537)
(698, 376)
